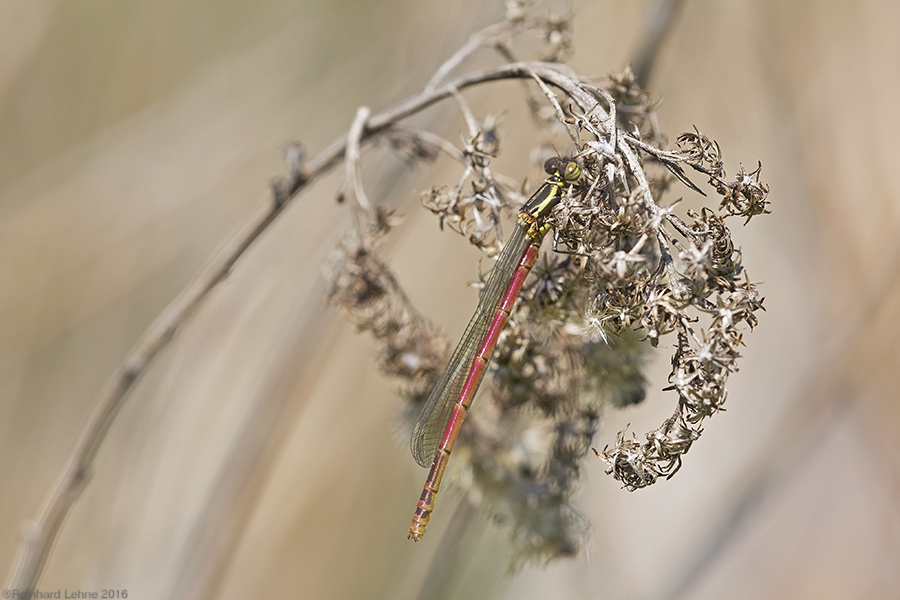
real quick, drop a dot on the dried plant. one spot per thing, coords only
(626, 272)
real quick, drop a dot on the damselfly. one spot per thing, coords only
(443, 413)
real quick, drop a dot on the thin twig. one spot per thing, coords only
(477, 40)
(353, 171)
(468, 116)
(554, 102)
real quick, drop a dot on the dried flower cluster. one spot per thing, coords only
(627, 271)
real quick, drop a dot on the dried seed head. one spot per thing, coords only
(629, 273)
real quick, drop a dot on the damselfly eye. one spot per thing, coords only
(572, 172)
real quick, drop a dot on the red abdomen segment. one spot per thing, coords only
(461, 406)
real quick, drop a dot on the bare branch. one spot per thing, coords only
(353, 169)
(556, 107)
(490, 35)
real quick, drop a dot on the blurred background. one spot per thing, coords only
(261, 455)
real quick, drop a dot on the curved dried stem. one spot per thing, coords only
(353, 168)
